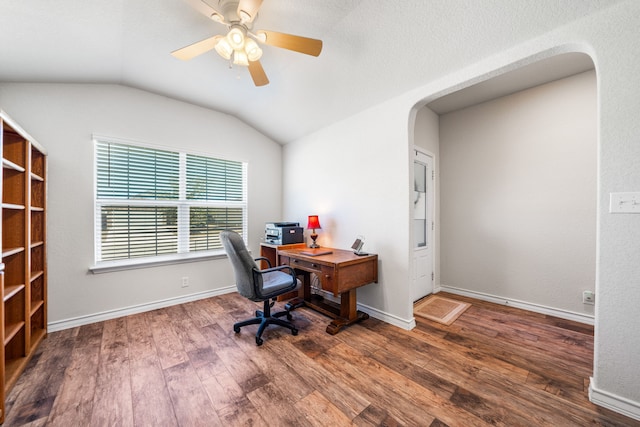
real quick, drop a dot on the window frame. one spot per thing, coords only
(184, 254)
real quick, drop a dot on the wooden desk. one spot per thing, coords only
(340, 273)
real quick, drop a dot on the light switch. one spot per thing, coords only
(624, 203)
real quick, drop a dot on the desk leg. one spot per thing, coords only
(343, 315)
(348, 305)
(348, 313)
(306, 285)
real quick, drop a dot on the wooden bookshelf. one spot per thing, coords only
(23, 264)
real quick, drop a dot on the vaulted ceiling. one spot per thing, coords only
(373, 50)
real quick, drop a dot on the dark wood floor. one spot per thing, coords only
(183, 365)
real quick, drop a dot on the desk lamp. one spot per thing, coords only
(312, 224)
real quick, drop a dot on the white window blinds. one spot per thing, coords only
(152, 202)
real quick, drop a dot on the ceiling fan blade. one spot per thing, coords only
(300, 44)
(197, 48)
(205, 9)
(257, 73)
(248, 8)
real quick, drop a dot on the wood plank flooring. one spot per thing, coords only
(184, 366)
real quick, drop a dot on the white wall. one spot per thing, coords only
(354, 177)
(319, 175)
(518, 195)
(63, 118)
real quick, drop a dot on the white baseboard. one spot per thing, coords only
(615, 403)
(406, 324)
(536, 308)
(60, 325)
(126, 311)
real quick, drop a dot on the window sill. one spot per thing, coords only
(131, 264)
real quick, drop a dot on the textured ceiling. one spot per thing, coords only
(373, 50)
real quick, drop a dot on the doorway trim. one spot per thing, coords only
(429, 229)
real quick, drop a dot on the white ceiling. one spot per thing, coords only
(373, 50)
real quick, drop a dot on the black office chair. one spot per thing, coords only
(259, 285)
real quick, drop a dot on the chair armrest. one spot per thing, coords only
(258, 273)
(261, 258)
(278, 268)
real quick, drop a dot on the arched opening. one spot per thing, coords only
(516, 196)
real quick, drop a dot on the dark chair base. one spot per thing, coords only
(265, 318)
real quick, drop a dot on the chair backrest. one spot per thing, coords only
(243, 264)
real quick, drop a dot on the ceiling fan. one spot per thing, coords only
(240, 45)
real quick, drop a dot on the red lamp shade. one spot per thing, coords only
(313, 222)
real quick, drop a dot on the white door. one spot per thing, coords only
(422, 224)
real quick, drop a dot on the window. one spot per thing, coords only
(154, 203)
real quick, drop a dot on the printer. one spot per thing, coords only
(283, 233)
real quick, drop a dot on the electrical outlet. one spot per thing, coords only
(588, 297)
(185, 282)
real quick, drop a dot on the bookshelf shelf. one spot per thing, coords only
(23, 266)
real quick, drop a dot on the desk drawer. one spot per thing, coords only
(326, 277)
(325, 273)
(305, 265)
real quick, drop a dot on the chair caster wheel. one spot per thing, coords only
(294, 332)
(236, 329)
(289, 316)
(259, 341)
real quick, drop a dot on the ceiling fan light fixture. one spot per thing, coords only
(240, 58)
(235, 37)
(223, 48)
(252, 49)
